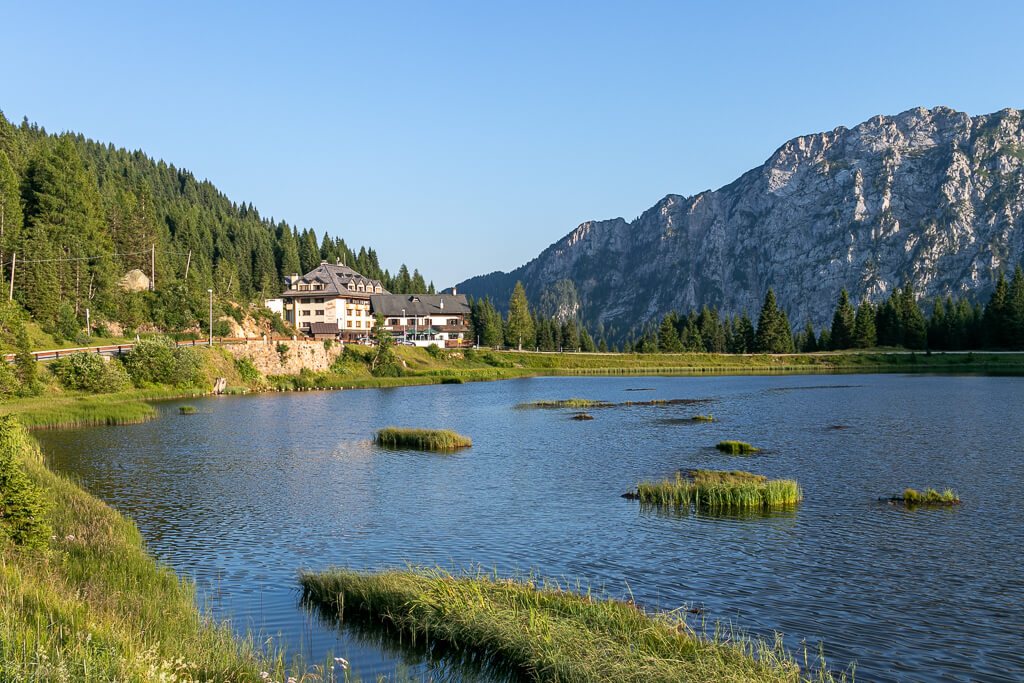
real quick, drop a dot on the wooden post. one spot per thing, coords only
(14, 257)
(188, 263)
(152, 268)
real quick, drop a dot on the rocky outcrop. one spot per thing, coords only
(298, 355)
(934, 198)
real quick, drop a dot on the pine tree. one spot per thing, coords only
(586, 341)
(1015, 311)
(286, 252)
(842, 322)
(309, 252)
(519, 329)
(773, 334)
(808, 341)
(915, 335)
(417, 285)
(864, 332)
(668, 338)
(571, 337)
(10, 213)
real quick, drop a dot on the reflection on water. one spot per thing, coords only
(252, 489)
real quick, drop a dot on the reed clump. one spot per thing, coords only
(583, 416)
(567, 403)
(703, 418)
(188, 410)
(736, 447)
(927, 497)
(718, 491)
(421, 439)
(543, 630)
(85, 413)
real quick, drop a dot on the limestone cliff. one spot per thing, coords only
(930, 197)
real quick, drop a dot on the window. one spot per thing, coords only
(351, 287)
(453, 321)
(350, 312)
(318, 301)
(304, 301)
(392, 321)
(359, 323)
(304, 312)
(320, 311)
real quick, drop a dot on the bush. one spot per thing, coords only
(22, 507)
(278, 325)
(282, 351)
(90, 372)
(161, 361)
(221, 328)
(434, 350)
(247, 370)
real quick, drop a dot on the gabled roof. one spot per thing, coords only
(323, 328)
(335, 279)
(419, 304)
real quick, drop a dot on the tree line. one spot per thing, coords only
(76, 215)
(899, 320)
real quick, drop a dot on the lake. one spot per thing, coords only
(245, 493)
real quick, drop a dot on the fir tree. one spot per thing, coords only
(519, 329)
(864, 333)
(842, 322)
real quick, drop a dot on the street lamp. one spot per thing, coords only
(405, 327)
(210, 291)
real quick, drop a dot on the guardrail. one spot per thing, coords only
(119, 349)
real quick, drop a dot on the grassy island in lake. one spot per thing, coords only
(736, 447)
(913, 497)
(422, 439)
(542, 631)
(720, 491)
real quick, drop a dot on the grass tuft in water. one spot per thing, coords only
(421, 439)
(86, 413)
(542, 630)
(567, 403)
(703, 418)
(188, 410)
(583, 416)
(720, 491)
(736, 447)
(913, 497)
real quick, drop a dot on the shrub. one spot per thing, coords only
(90, 372)
(161, 361)
(282, 352)
(221, 328)
(247, 370)
(434, 350)
(22, 507)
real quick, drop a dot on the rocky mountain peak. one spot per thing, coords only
(929, 197)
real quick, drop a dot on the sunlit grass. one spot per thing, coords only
(736, 447)
(928, 497)
(543, 630)
(422, 439)
(721, 491)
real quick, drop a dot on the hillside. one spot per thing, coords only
(932, 198)
(79, 214)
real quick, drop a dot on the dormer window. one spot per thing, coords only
(351, 287)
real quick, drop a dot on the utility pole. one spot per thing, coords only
(188, 263)
(152, 268)
(211, 317)
(14, 257)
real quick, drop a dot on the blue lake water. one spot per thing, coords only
(251, 489)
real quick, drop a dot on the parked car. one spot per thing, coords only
(366, 341)
(406, 342)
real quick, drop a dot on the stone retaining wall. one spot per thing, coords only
(301, 354)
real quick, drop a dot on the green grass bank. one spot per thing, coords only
(544, 631)
(90, 604)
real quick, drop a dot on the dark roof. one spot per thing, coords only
(323, 328)
(335, 279)
(419, 304)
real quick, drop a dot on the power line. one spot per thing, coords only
(92, 258)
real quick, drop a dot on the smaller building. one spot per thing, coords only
(324, 330)
(424, 319)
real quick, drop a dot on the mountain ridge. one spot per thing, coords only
(929, 197)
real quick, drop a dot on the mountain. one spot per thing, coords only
(933, 198)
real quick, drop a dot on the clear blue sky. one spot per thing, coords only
(466, 137)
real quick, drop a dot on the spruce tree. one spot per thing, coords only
(10, 213)
(519, 329)
(668, 338)
(915, 335)
(864, 333)
(773, 334)
(1015, 311)
(842, 323)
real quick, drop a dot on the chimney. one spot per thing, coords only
(454, 291)
(323, 263)
(441, 305)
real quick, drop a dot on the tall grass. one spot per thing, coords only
(567, 403)
(719, 491)
(928, 497)
(543, 631)
(421, 439)
(96, 607)
(84, 413)
(736, 447)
